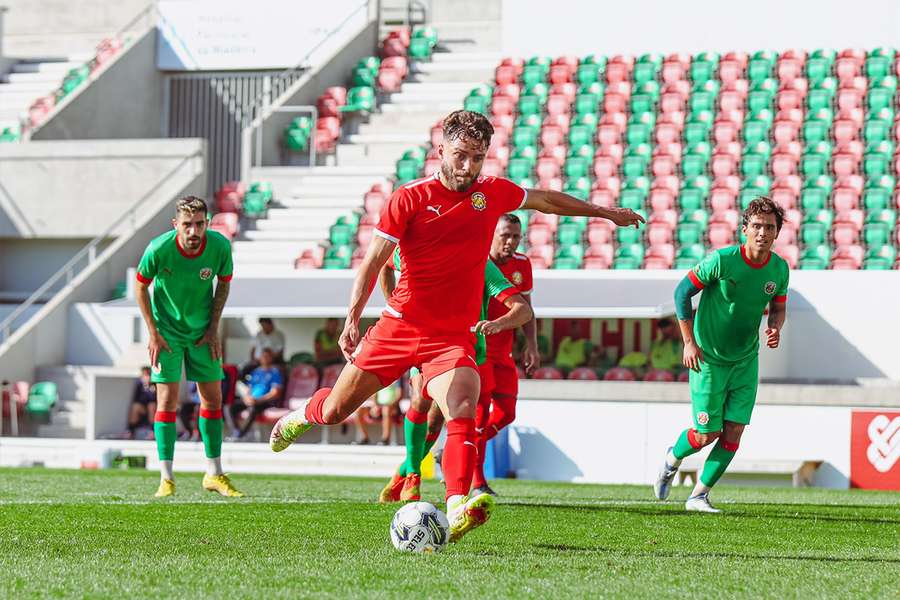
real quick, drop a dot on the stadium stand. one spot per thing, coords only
(688, 141)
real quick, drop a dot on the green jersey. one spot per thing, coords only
(496, 285)
(183, 289)
(735, 295)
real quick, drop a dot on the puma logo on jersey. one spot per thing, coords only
(435, 209)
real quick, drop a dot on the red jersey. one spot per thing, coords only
(518, 271)
(445, 238)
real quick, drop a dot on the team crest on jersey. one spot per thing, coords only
(702, 418)
(205, 273)
(479, 201)
(517, 278)
(770, 287)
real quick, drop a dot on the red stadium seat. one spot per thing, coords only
(557, 153)
(583, 374)
(547, 168)
(789, 252)
(604, 198)
(849, 256)
(557, 104)
(844, 198)
(303, 382)
(539, 234)
(228, 202)
(559, 120)
(720, 235)
(722, 165)
(547, 373)
(541, 256)
(661, 199)
(605, 166)
(491, 167)
(659, 233)
(619, 374)
(552, 136)
(614, 103)
(783, 164)
(845, 164)
(845, 234)
(784, 197)
(721, 199)
(666, 133)
(373, 202)
(599, 233)
(506, 74)
(659, 375)
(560, 74)
(330, 375)
(225, 223)
(503, 105)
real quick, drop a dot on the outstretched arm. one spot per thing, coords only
(558, 203)
(379, 251)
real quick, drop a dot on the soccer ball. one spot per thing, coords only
(419, 527)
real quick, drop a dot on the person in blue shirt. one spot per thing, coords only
(265, 387)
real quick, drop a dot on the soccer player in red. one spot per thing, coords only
(501, 411)
(444, 225)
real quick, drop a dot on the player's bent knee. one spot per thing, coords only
(707, 438)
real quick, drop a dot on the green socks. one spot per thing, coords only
(210, 425)
(415, 428)
(717, 461)
(686, 445)
(164, 431)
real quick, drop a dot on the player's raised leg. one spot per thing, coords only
(165, 433)
(328, 406)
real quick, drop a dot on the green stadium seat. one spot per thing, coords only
(813, 199)
(818, 68)
(635, 165)
(879, 65)
(533, 74)
(632, 251)
(704, 67)
(824, 217)
(876, 198)
(418, 154)
(587, 104)
(576, 167)
(760, 66)
(477, 104)
(530, 104)
(689, 233)
(579, 188)
(876, 164)
(359, 99)
(877, 234)
(876, 130)
(880, 98)
(638, 133)
(408, 169)
(519, 168)
(693, 253)
(813, 234)
(42, 397)
(341, 235)
(568, 234)
(887, 253)
(698, 127)
(691, 199)
(700, 216)
(580, 135)
(525, 136)
(588, 73)
(420, 48)
(693, 165)
(296, 140)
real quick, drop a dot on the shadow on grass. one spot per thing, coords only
(736, 555)
(675, 510)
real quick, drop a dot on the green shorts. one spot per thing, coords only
(199, 365)
(723, 393)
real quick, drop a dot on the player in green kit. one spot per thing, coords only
(182, 316)
(721, 345)
(422, 426)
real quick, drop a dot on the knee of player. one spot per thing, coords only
(733, 432)
(706, 438)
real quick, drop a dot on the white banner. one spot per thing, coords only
(213, 35)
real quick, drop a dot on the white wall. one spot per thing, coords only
(625, 442)
(579, 27)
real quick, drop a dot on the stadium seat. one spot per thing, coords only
(660, 375)
(42, 397)
(619, 374)
(583, 374)
(547, 373)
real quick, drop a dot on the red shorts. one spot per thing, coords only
(392, 346)
(506, 378)
(486, 374)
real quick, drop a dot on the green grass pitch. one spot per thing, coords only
(102, 535)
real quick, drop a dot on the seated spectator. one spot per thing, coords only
(667, 349)
(143, 403)
(187, 413)
(636, 362)
(382, 406)
(265, 387)
(573, 350)
(327, 350)
(266, 337)
(543, 345)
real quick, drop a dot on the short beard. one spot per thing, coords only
(450, 179)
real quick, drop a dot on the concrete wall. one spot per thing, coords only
(577, 27)
(77, 189)
(334, 70)
(42, 341)
(44, 28)
(28, 263)
(126, 101)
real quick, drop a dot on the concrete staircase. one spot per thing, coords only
(310, 199)
(29, 80)
(68, 419)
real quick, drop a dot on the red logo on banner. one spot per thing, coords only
(875, 450)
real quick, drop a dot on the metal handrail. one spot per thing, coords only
(89, 250)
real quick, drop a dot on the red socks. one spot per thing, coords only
(315, 407)
(459, 456)
(503, 414)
